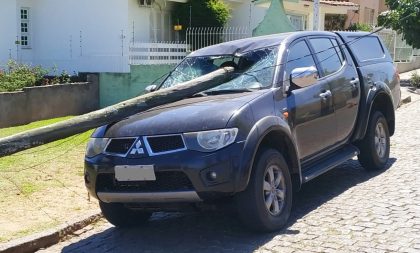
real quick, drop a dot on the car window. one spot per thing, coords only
(338, 49)
(299, 57)
(327, 55)
(253, 69)
(367, 48)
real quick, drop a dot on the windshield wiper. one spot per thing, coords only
(226, 91)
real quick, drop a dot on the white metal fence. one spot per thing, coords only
(199, 37)
(144, 53)
(399, 49)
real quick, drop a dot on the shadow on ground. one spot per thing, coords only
(217, 232)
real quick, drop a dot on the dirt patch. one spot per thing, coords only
(43, 187)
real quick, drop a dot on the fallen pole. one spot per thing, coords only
(40, 136)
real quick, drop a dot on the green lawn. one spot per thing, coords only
(45, 183)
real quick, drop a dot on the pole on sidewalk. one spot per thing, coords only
(316, 15)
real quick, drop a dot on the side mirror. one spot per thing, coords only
(150, 88)
(304, 77)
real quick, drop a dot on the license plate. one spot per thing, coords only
(135, 173)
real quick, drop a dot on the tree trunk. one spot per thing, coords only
(82, 123)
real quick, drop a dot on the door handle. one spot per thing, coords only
(354, 82)
(325, 95)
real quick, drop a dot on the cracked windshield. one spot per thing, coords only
(253, 70)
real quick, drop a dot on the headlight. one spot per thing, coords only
(213, 140)
(95, 146)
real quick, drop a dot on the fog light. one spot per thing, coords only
(212, 176)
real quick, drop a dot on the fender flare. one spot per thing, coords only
(257, 134)
(379, 89)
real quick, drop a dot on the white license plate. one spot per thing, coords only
(135, 173)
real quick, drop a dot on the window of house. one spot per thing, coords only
(24, 28)
(327, 55)
(369, 16)
(145, 3)
(299, 57)
(298, 21)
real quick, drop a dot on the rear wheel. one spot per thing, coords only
(374, 148)
(266, 203)
(120, 216)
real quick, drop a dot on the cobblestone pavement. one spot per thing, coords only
(345, 210)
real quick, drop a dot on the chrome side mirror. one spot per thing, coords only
(150, 88)
(304, 77)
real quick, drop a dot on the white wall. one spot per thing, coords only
(78, 35)
(246, 14)
(150, 24)
(8, 30)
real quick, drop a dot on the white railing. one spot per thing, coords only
(399, 49)
(145, 53)
(199, 37)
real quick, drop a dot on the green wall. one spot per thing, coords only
(117, 87)
(275, 21)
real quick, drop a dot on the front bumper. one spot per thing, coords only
(181, 177)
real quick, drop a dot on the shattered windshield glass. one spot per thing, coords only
(253, 70)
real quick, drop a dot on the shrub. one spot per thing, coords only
(204, 13)
(18, 76)
(360, 27)
(415, 80)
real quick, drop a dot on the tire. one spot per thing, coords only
(374, 148)
(251, 203)
(120, 216)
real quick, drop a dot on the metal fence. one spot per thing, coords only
(399, 49)
(199, 37)
(145, 53)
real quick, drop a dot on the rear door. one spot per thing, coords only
(338, 71)
(310, 108)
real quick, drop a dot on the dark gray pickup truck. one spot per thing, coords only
(299, 104)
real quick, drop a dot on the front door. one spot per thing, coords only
(311, 112)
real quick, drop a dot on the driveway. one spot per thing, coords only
(346, 210)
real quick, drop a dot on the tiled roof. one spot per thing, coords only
(337, 2)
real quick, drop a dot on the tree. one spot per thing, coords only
(204, 13)
(403, 17)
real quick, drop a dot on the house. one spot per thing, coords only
(367, 13)
(299, 12)
(79, 35)
(109, 36)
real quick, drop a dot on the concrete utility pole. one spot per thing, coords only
(37, 137)
(316, 15)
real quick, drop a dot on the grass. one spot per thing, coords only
(43, 182)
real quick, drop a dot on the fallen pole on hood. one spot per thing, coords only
(40, 136)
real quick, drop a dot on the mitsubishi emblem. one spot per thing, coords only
(137, 149)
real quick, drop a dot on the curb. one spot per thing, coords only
(47, 238)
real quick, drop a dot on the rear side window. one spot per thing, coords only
(327, 55)
(366, 48)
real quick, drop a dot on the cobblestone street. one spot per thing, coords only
(346, 210)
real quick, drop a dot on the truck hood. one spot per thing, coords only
(187, 115)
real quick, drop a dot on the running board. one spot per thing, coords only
(329, 162)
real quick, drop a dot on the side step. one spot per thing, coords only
(329, 162)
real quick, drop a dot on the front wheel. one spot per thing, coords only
(120, 216)
(266, 203)
(374, 148)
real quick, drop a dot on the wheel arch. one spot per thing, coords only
(377, 98)
(383, 103)
(271, 132)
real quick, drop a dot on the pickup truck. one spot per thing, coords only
(299, 104)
